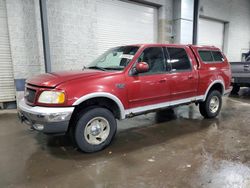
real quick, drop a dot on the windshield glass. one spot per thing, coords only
(115, 58)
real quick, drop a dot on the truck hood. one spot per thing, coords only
(55, 78)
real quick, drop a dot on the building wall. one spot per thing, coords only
(237, 13)
(71, 23)
(25, 36)
(71, 31)
(165, 20)
(183, 21)
(72, 41)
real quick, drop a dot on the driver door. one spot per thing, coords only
(151, 87)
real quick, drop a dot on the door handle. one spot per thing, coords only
(163, 80)
(190, 77)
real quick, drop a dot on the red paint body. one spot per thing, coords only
(139, 90)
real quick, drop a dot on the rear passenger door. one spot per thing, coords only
(183, 77)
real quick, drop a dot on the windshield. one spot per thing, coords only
(115, 58)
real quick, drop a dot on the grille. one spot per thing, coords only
(30, 95)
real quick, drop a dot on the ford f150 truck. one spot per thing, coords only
(123, 82)
(240, 75)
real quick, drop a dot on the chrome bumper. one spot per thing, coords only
(45, 119)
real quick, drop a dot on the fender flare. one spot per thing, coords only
(212, 84)
(102, 94)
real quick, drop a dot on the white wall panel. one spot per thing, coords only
(210, 32)
(121, 23)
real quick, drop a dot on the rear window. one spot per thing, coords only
(211, 56)
(217, 56)
(206, 56)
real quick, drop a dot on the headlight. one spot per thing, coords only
(52, 97)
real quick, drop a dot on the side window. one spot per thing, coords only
(211, 56)
(179, 60)
(206, 56)
(217, 56)
(154, 57)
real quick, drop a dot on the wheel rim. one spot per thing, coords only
(214, 104)
(97, 130)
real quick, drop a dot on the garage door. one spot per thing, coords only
(120, 23)
(210, 32)
(7, 91)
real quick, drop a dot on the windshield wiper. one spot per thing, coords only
(114, 68)
(96, 67)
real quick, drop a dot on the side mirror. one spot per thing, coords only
(141, 67)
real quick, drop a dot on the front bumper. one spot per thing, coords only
(50, 120)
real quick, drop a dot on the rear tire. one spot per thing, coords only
(95, 129)
(211, 107)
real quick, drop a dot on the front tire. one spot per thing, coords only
(211, 107)
(95, 129)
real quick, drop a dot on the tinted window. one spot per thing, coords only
(217, 56)
(154, 57)
(206, 56)
(178, 59)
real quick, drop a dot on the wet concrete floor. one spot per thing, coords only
(164, 149)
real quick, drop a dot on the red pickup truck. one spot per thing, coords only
(123, 82)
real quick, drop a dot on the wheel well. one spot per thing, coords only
(218, 87)
(102, 102)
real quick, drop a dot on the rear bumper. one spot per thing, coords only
(45, 119)
(241, 80)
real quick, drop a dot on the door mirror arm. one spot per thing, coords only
(134, 71)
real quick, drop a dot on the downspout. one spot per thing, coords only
(195, 21)
(45, 35)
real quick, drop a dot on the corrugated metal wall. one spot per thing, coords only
(7, 89)
(210, 32)
(121, 23)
